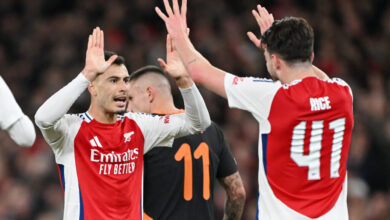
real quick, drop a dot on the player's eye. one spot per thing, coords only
(126, 80)
(113, 80)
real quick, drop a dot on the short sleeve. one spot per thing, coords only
(10, 111)
(227, 164)
(251, 94)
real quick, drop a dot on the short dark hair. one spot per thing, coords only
(118, 61)
(292, 38)
(146, 69)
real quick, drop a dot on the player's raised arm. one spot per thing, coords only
(199, 68)
(58, 104)
(13, 120)
(196, 111)
(196, 117)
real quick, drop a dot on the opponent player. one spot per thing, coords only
(18, 125)
(99, 152)
(305, 122)
(179, 181)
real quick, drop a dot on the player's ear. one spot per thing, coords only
(92, 89)
(276, 61)
(312, 57)
(151, 93)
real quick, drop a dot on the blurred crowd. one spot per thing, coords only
(43, 43)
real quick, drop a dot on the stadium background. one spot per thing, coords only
(42, 47)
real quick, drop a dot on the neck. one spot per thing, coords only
(101, 116)
(166, 107)
(298, 72)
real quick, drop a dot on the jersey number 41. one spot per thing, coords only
(312, 160)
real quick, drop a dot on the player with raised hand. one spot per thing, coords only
(305, 118)
(100, 152)
(13, 120)
(184, 188)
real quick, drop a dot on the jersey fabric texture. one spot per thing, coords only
(305, 132)
(179, 181)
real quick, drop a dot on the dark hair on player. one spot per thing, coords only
(144, 70)
(118, 61)
(292, 38)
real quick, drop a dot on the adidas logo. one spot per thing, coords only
(95, 142)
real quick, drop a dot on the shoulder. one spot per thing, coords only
(213, 128)
(145, 119)
(140, 116)
(78, 117)
(341, 83)
(234, 80)
(337, 81)
(214, 134)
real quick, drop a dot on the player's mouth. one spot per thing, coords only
(120, 101)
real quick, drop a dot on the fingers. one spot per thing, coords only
(176, 7)
(162, 64)
(184, 9)
(90, 41)
(111, 59)
(161, 14)
(168, 8)
(263, 18)
(94, 37)
(98, 33)
(257, 17)
(265, 15)
(169, 44)
(254, 39)
(266, 18)
(102, 39)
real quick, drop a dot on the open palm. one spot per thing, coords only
(95, 62)
(174, 66)
(175, 20)
(264, 19)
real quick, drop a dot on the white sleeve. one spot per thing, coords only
(160, 130)
(10, 111)
(251, 94)
(50, 116)
(23, 132)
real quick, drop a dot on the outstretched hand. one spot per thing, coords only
(175, 20)
(174, 66)
(94, 61)
(264, 19)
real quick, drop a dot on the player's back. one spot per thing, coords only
(305, 153)
(179, 181)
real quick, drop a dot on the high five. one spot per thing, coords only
(302, 148)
